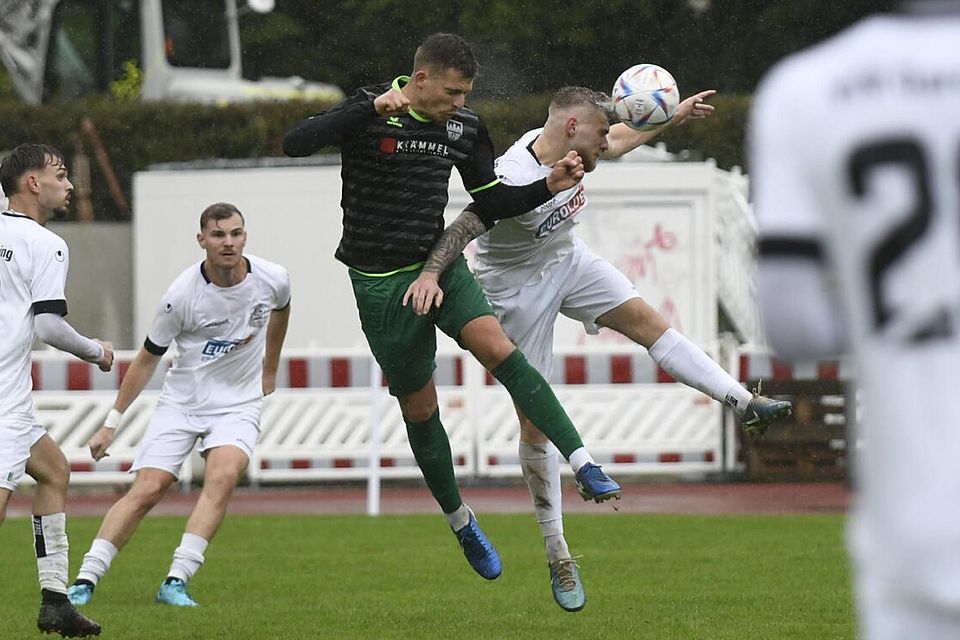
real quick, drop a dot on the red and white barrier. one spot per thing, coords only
(317, 425)
(55, 372)
(758, 365)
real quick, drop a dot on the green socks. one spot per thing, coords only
(431, 448)
(537, 401)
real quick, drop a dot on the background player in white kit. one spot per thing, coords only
(33, 272)
(533, 267)
(228, 317)
(858, 207)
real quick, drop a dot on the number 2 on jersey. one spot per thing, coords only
(908, 155)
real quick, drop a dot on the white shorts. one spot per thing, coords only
(581, 285)
(17, 437)
(171, 435)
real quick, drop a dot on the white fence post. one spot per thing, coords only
(376, 416)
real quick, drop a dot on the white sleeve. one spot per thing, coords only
(57, 332)
(282, 291)
(782, 157)
(510, 171)
(51, 260)
(167, 323)
(801, 314)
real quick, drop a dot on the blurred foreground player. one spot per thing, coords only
(858, 205)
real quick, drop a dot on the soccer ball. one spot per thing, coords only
(645, 96)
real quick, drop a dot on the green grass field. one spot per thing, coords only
(657, 577)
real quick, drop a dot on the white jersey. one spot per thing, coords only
(33, 272)
(855, 166)
(220, 336)
(518, 249)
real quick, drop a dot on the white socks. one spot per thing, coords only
(459, 518)
(97, 560)
(50, 544)
(541, 470)
(579, 458)
(688, 363)
(188, 557)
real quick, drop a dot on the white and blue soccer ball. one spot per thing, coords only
(645, 96)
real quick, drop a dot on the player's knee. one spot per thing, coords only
(56, 476)
(494, 351)
(419, 412)
(529, 434)
(223, 480)
(485, 339)
(420, 405)
(147, 492)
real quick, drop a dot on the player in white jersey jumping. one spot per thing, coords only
(858, 208)
(533, 268)
(228, 317)
(33, 272)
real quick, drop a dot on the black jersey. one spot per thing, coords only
(396, 174)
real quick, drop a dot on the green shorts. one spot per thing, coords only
(405, 344)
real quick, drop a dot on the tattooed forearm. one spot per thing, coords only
(453, 241)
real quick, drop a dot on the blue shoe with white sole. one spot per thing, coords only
(477, 548)
(80, 593)
(173, 591)
(566, 585)
(594, 484)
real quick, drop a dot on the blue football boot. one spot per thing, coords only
(477, 548)
(566, 585)
(174, 591)
(80, 593)
(594, 484)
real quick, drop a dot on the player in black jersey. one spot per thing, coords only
(399, 142)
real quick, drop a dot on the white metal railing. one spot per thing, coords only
(735, 233)
(319, 433)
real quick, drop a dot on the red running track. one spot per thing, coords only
(682, 498)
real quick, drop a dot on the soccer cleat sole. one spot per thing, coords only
(66, 634)
(603, 497)
(569, 608)
(758, 427)
(70, 635)
(68, 622)
(786, 412)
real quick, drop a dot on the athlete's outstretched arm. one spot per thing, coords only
(425, 291)
(276, 332)
(134, 381)
(52, 329)
(622, 139)
(332, 126)
(328, 127)
(495, 200)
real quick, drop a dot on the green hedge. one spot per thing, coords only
(136, 136)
